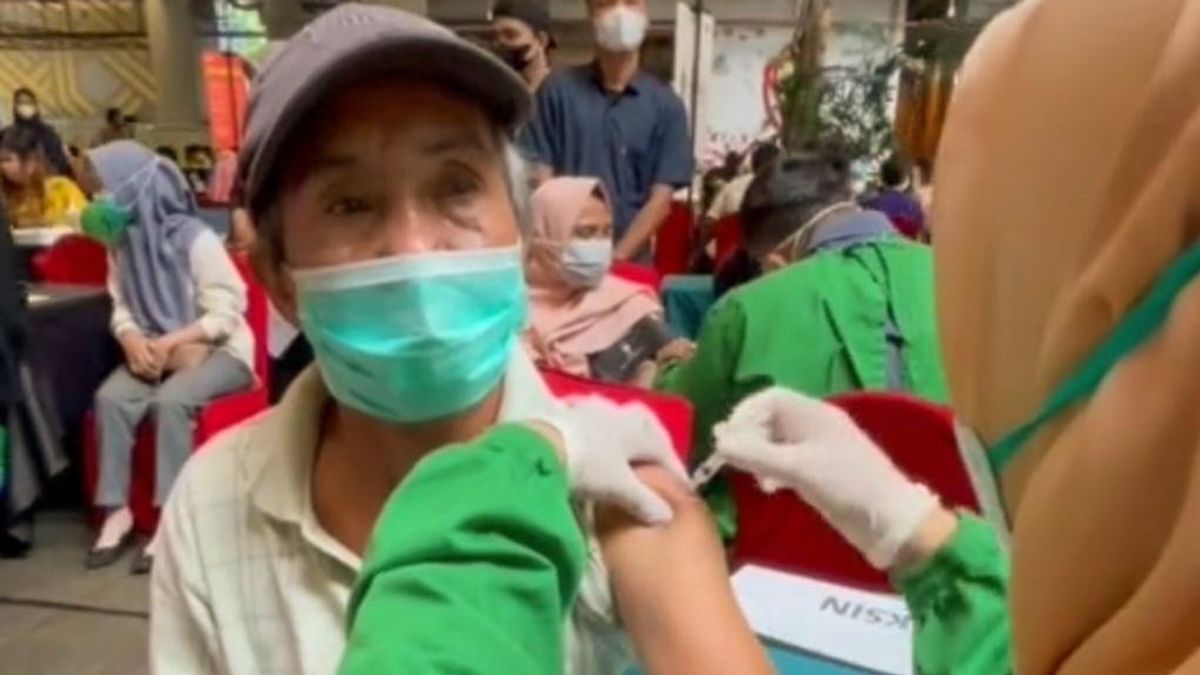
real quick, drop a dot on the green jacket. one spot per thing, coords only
(817, 327)
(474, 565)
(483, 580)
(959, 604)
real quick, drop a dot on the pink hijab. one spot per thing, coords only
(568, 324)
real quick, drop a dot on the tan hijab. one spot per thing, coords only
(567, 324)
(1068, 179)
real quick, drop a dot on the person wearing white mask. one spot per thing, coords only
(583, 320)
(612, 120)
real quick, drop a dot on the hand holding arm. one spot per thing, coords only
(602, 443)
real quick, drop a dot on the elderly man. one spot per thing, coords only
(379, 171)
(611, 120)
(846, 305)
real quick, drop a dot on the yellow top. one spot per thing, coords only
(61, 204)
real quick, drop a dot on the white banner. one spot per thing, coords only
(867, 630)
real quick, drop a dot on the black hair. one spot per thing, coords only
(113, 116)
(24, 91)
(892, 173)
(764, 155)
(23, 141)
(789, 192)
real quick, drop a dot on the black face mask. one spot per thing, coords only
(517, 58)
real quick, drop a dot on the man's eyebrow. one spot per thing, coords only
(464, 140)
(332, 162)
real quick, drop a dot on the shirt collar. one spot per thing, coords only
(634, 88)
(285, 442)
(851, 230)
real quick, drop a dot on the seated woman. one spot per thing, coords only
(178, 306)
(583, 320)
(36, 198)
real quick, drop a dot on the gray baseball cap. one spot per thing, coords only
(354, 41)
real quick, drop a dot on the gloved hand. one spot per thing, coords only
(603, 441)
(816, 449)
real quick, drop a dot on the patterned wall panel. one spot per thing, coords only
(75, 83)
(80, 56)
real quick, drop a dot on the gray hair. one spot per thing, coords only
(517, 173)
(269, 221)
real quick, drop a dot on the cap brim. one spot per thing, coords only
(461, 66)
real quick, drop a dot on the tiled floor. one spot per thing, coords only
(56, 618)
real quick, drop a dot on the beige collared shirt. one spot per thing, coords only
(247, 582)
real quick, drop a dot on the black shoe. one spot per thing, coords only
(98, 558)
(141, 563)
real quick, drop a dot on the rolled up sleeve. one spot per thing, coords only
(122, 318)
(220, 290)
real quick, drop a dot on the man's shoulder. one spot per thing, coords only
(662, 92)
(221, 472)
(565, 79)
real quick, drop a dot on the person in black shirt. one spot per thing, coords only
(27, 113)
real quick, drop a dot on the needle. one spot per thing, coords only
(707, 471)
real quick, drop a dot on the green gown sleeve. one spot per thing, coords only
(959, 605)
(707, 382)
(473, 567)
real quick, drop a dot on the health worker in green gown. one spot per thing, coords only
(846, 305)
(1067, 219)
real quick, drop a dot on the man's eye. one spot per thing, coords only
(348, 207)
(458, 187)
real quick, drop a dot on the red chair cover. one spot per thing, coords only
(73, 259)
(673, 242)
(638, 274)
(217, 416)
(782, 532)
(674, 412)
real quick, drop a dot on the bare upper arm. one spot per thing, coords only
(672, 588)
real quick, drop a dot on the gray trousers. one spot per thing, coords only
(124, 401)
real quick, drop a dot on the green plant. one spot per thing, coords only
(846, 106)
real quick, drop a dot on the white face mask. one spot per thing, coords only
(26, 111)
(622, 29)
(586, 262)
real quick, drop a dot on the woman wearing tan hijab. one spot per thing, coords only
(583, 320)
(1068, 217)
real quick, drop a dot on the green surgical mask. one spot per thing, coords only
(105, 221)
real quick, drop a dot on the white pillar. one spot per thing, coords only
(175, 61)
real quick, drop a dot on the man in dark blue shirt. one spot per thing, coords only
(610, 120)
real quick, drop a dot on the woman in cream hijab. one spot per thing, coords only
(1067, 212)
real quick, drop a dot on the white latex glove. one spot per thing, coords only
(603, 441)
(816, 449)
